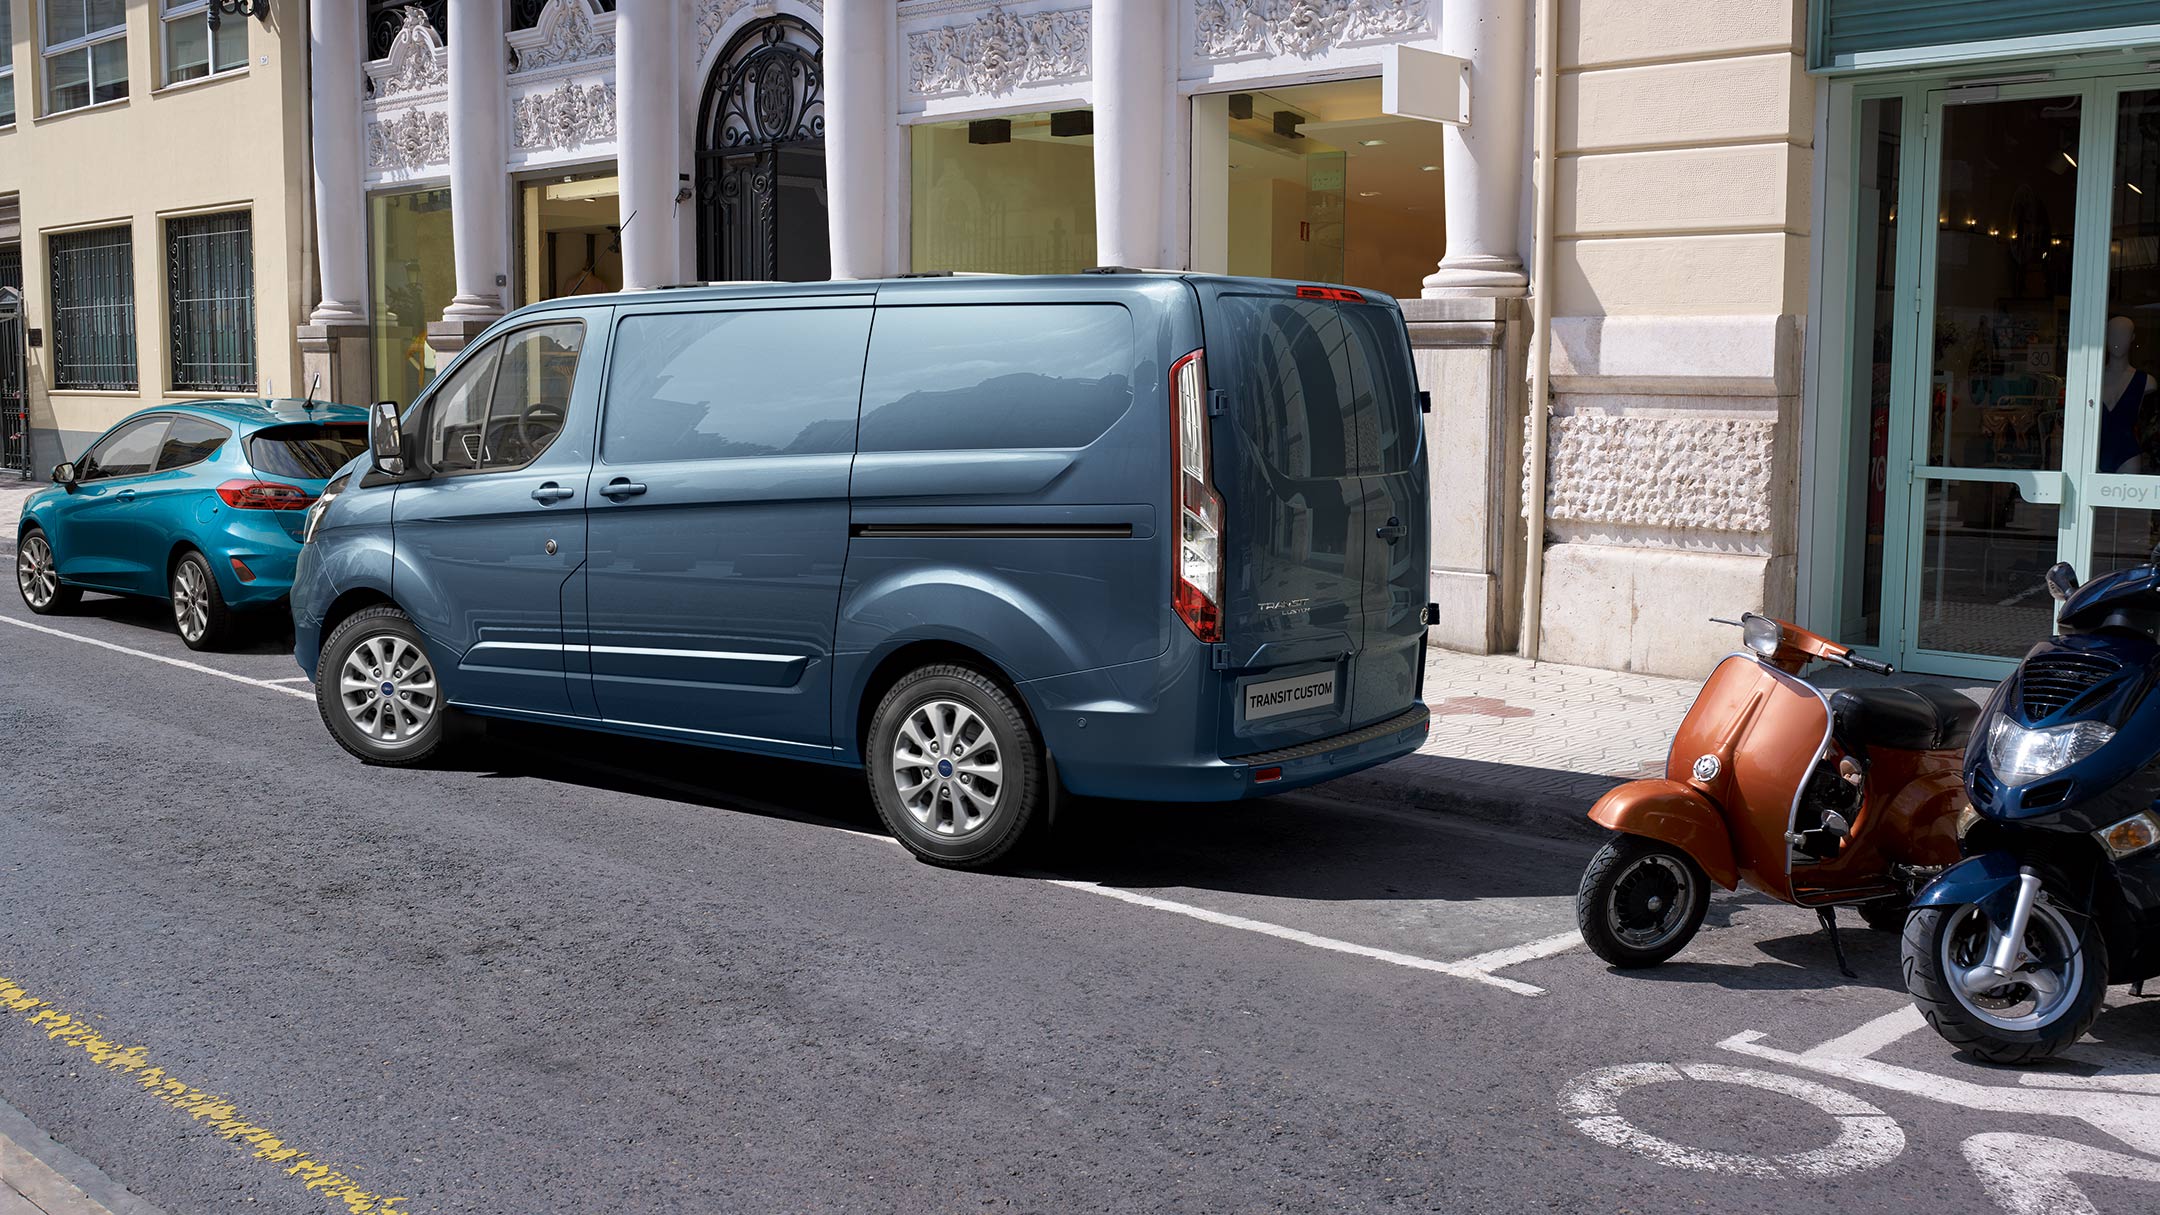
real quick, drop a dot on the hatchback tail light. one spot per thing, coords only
(264, 495)
(1197, 575)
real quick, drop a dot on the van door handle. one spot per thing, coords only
(623, 487)
(1392, 530)
(552, 492)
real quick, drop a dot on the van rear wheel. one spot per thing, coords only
(955, 768)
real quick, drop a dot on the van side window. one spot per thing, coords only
(960, 377)
(457, 417)
(728, 384)
(503, 406)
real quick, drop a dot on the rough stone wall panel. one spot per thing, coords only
(1670, 474)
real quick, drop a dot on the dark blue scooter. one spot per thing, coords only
(2010, 951)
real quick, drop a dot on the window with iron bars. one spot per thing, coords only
(210, 292)
(93, 307)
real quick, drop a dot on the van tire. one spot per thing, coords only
(939, 818)
(377, 627)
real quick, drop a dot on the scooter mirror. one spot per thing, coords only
(2062, 580)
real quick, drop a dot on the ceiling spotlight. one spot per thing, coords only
(1428, 168)
(2072, 159)
(2133, 187)
(1370, 143)
(1368, 193)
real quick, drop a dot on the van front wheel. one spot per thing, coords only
(955, 768)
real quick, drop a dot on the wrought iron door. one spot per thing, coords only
(761, 158)
(14, 383)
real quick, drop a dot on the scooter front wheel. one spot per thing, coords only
(2047, 1002)
(1641, 901)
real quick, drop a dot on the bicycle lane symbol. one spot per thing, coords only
(2025, 1174)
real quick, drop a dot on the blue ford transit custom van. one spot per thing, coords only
(1125, 534)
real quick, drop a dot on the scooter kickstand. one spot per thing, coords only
(1828, 916)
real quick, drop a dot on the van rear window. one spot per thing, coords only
(971, 376)
(310, 451)
(1324, 390)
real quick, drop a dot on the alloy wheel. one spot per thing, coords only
(387, 688)
(2050, 973)
(1650, 901)
(34, 572)
(191, 600)
(947, 768)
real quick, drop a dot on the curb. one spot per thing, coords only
(53, 1179)
(1534, 801)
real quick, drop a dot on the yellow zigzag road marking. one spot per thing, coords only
(214, 1111)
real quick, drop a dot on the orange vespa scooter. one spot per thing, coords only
(1821, 800)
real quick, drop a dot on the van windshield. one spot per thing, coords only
(1326, 389)
(309, 451)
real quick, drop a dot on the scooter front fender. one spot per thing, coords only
(1676, 814)
(1990, 880)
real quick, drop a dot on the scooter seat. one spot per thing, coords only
(1915, 717)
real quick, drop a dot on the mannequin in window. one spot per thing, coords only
(2129, 398)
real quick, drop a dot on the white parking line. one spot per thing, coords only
(291, 679)
(1500, 959)
(182, 663)
(1460, 970)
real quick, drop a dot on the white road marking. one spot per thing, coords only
(1871, 1037)
(1867, 1137)
(2030, 1174)
(1500, 959)
(1301, 937)
(182, 663)
(291, 679)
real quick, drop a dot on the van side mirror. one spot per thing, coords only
(63, 474)
(386, 443)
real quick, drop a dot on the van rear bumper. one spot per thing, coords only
(1110, 742)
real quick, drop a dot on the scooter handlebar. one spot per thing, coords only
(1869, 665)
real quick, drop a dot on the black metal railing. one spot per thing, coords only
(386, 17)
(93, 309)
(525, 14)
(210, 279)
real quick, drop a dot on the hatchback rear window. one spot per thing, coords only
(310, 451)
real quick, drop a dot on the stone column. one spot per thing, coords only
(334, 340)
(1132, 92)
(1482, 164)
(649, 119)
(858, 133)
(479, 188)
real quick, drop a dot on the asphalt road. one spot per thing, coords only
(570, 972)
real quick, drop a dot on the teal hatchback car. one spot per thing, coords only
(200, 503)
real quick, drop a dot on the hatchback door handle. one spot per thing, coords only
(552, 492)
(1392, 530)
(623, 487)
(125, 495)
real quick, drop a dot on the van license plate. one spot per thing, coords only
(1296, 694)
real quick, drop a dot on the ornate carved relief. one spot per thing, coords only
(408, 142)
(414, 64)
(1237, 29)
(998, 51)
(565, 33)
(566, 116)
(1697, 474)
(713, 16)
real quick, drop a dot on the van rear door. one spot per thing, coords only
(1321, 467)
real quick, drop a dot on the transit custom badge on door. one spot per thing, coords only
(1296, 694)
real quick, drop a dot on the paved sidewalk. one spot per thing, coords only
(14, 491)
(41, 1177)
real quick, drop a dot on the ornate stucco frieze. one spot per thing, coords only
(1241, 29)
(411, 141)
(566, 33)
(712, 16)
(998, 51)
(1670, 474)
(570, 115)
(415, 62)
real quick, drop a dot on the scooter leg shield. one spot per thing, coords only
(1676, 814)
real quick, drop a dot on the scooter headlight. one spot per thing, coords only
(2021, 755)
(2134, 834)
(1762, 634)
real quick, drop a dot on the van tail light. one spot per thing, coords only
(1336, 295)
(1197, 576)
(264, 495)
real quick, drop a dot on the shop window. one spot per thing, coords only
(1005, 195)
(93, 304)
(411, 281)
(7, 65)
(85, 53)
(1866, 466)
(210, 267)
(200, 41)
(1315, 183)
(569, 237)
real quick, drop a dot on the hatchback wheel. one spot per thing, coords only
(199, 610)
(377, 690)
(37, 576)
(955, 768)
